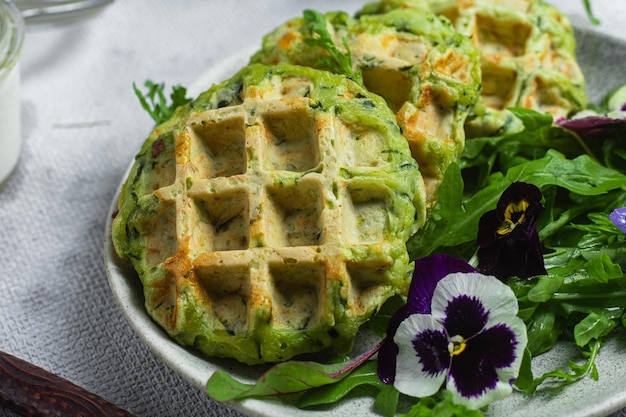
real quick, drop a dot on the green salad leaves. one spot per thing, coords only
(581, 300)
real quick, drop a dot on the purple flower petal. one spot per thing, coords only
(487, 226)
(498, 343)
(472, 375)
(618, 217)
(496, 297)
(511, 257)
(484, 371)
(522, 191)
(431, 348)
(387, 355)
(423, 357)
(465, 316)
(474, 370)
(427, 274)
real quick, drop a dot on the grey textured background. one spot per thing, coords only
(81, 126)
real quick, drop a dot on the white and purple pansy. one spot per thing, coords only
(460, 329)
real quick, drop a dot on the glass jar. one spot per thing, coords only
(11, 40)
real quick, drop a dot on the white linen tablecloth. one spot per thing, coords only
(82, 124)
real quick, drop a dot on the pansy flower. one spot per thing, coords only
(460, 329)
(507, 236)
(618, 217)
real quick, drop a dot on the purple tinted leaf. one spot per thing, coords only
(282, 379)
(596, 126)
(328, 394)
(285, 378)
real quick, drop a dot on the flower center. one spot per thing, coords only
(456, 345)
(513, 215)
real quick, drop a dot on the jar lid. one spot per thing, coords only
(11, 36)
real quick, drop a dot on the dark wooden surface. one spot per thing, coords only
(32, 391)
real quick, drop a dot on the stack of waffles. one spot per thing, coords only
(269, 217)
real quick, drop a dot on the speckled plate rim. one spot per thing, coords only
(599, 56)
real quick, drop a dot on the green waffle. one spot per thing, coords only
(269, 217)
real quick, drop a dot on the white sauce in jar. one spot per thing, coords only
(11, 39)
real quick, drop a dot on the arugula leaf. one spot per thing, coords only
(440, 407)
(582, 175)
(525, 378)
(155, 103)
(545, 288)
(577, 371)
(543, 329)
(602, 269)
(593, 327)
(444, 217)
(387, 400)
(614, 151)
(336, 61)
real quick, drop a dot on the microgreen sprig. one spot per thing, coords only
(590, 15)
(155, 102)
(336, 61)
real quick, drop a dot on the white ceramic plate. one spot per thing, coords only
(602, 59)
